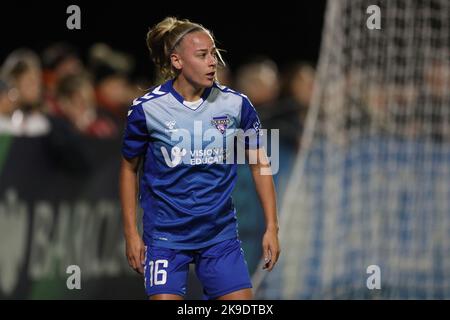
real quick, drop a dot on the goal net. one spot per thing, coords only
(371, 184)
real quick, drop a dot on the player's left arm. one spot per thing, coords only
(262, 177)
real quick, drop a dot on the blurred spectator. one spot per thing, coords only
(224, 76)
(299, 83)
(112, 87)
(76, 98)
(59, 60)
(434, 94)
(437, 78)
(296, 95)
(7, 107)
(259, 80)
(289, 114)
(22, 70)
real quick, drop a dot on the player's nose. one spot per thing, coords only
(212, 62)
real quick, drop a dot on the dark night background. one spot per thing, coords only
(285, 32)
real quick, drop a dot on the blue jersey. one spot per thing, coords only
(187, 178)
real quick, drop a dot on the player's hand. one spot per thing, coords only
(271, 248)
(135, 251)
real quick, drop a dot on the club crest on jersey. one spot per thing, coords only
(221, 123)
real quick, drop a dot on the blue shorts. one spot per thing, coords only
(221, 268)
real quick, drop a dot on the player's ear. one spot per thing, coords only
(176, 61)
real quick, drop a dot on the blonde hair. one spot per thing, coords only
(165, 36)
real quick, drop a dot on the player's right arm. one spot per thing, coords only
(135, 249)
(135, 143)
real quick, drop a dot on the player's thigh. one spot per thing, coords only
(166, 272)
(222, 269)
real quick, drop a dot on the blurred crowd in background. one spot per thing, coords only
(59, 94)
(56, 91)
(41, 93)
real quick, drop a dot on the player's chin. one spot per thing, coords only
(209, 81)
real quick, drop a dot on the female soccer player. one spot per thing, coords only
(182, 131)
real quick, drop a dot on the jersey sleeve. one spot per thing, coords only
(251, 125)
(136, 135)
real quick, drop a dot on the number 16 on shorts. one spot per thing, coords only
(158, 276)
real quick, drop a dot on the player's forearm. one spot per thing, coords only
(266, 192)
(128, 195)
